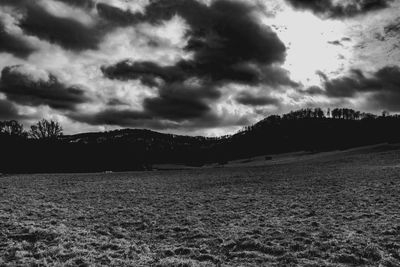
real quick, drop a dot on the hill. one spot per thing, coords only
(139, 149)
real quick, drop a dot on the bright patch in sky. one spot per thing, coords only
(309, 44)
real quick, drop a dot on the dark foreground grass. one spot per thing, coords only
(340, 210)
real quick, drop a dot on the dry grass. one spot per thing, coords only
(340, 210)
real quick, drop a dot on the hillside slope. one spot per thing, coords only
(140, 149)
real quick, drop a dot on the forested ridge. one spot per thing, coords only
(44, 149)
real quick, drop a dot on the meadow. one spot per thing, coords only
(328, 209)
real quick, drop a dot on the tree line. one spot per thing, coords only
(319, 113)
(50, 129)
(44, 148)
(43, 129)
(336, 113)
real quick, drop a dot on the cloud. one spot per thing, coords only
(27, 86)
(178, 106)
(177, 102)
(116, 102)
(392, 29)
(248, 99)
(118, 16)
(381, 88)
(8, 111)
(181, 101)
(336, 42)
(116, 12)
(14, 44)
(145, 71)
(174, 105)
(227, 42)
(65, 31)
(227, 45)
(340, 9)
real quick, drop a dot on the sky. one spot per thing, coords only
(195, 67)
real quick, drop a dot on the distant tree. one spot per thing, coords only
(357, 115)
(319, 113)
(45, 129)
(12, 128)
(346, 113)
(385, 114)
(336, 113)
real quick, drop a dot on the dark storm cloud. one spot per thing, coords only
(255, 100)
(176, 103)
(383, 87)
(356, 82)
(145, 71)
(224, 33)
(228, 43)
(275, 76)
(179, 102)
(67, 32)
(328, 8)
(151, 74)
(13, 44)
(23, 89)
(8, 111)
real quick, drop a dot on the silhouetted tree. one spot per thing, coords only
(45, 129)
(319, 113)
(345, 113)
(336, 113)
(357, 115)
(385, 114)
(11, 128)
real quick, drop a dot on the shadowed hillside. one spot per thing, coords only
(132, 149)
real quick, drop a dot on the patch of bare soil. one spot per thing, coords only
(337, 210)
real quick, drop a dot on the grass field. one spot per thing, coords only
(332, 209)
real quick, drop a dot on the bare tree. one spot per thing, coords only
(12, 128)
(45, 129)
